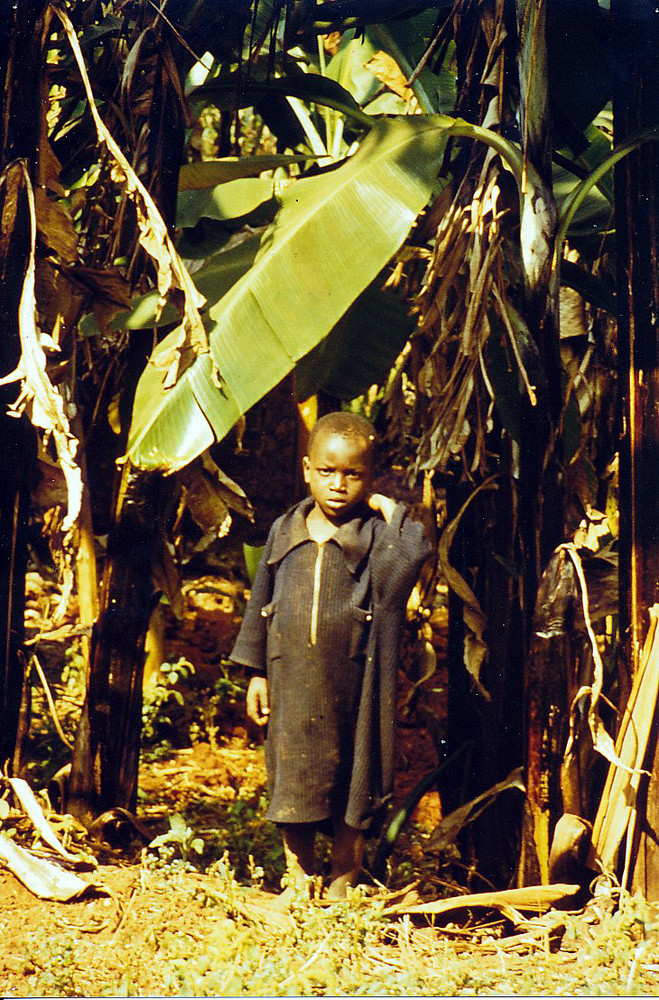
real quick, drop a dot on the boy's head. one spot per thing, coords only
(339, 462)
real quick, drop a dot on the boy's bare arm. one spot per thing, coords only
(258, 700)
(385, 505)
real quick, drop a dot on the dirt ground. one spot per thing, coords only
(195, 913)
(157, 927)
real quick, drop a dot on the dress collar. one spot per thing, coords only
(354, 537)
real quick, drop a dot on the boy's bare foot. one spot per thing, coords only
(347, 854)
(338, 887)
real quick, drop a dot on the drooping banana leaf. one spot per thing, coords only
(342, 14)
(231, 93)
(374, 328)
(332, 236)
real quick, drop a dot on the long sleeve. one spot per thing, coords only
(399, 553)
(250, 647)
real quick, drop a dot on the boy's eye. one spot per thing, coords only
(352, 474)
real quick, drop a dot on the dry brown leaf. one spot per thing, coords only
(153, 234)
(106, 289)
(475, 648)
(55, 226)
(385, 69)
(167, 579)
(602, 741)
(169, 361)
(49, 167)
(446, 833)
(58, 303)
(535, 933)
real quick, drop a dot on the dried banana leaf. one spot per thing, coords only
(534, 898)
(617, 808)
(43, 878)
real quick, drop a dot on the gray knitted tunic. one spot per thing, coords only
(324, 622)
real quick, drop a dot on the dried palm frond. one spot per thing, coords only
(466, 280)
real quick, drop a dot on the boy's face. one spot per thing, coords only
(338, 473)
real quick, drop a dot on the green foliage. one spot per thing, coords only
(230, 200)
(210, 706)
(374, 329)
(161, 696)
(203, 941)
(179, 839)
(210, 173)
(305, 86)
(243, 836)
(52, 963)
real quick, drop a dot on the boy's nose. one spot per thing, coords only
(337, 480)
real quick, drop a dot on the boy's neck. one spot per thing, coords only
(319, 526)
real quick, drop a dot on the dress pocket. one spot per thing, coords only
(362, 621)
(273, 647)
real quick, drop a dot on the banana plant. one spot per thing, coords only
(332, 236)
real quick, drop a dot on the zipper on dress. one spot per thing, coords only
(313, 632)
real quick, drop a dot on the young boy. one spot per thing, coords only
(321, 635)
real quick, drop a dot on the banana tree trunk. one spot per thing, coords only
(104, 770)
(105, 757)
(20, 68)
(636, 86)
(489, 730)
(541, 504)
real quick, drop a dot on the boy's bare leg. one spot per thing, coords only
(299, 843)
(347, 855)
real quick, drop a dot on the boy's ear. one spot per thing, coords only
(306, 468)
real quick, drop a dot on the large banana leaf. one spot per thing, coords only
(208, 173)
(332, 236)
(231, 200)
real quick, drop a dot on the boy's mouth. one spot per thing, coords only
(336, 503)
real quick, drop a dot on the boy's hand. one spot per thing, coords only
(258, 701)
(385, 505)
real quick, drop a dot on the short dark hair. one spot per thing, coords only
(349, 425)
